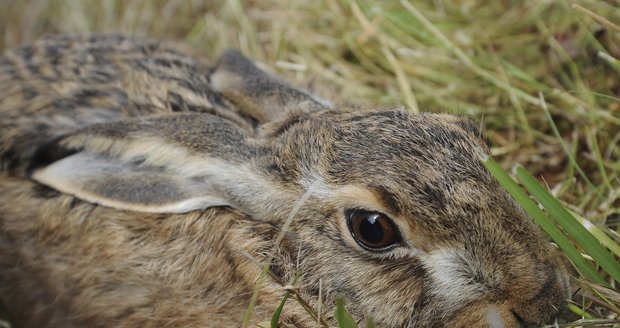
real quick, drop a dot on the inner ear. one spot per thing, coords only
(258, 94)
(126, 185)
(163, 164)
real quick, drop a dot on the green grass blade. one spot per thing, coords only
(276, 315)
(573, 228)
(342, 315)
(579, 311)
(565, 147)
(585, 268)
(600, 234)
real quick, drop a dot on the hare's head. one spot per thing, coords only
(404, 220)
(391, 209)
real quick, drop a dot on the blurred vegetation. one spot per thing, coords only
(541, 77)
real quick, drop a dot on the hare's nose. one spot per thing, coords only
(545, 306)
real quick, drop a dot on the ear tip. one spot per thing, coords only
(234, 60)
(48, 153)
(232, 52)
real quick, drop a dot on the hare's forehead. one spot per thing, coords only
(422, 175)
(405, 145)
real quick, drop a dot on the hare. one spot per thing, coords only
(144, 186)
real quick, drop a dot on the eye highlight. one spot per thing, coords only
(372, 230)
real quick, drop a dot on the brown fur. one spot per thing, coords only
(469, 254)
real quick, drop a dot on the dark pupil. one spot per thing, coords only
(371, 230)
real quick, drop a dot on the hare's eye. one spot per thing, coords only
(373, 231)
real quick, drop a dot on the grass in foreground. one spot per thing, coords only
(543, 77)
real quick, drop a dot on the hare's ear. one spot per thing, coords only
(165, 164)
(263, 97)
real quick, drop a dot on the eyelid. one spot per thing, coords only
(358, 197)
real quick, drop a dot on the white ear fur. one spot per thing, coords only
(125, 185)
(162, 164)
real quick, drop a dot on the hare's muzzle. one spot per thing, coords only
(528, 294)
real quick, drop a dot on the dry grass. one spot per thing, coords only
(492, 60)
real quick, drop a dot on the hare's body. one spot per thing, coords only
(62, 265)
(390, 209)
